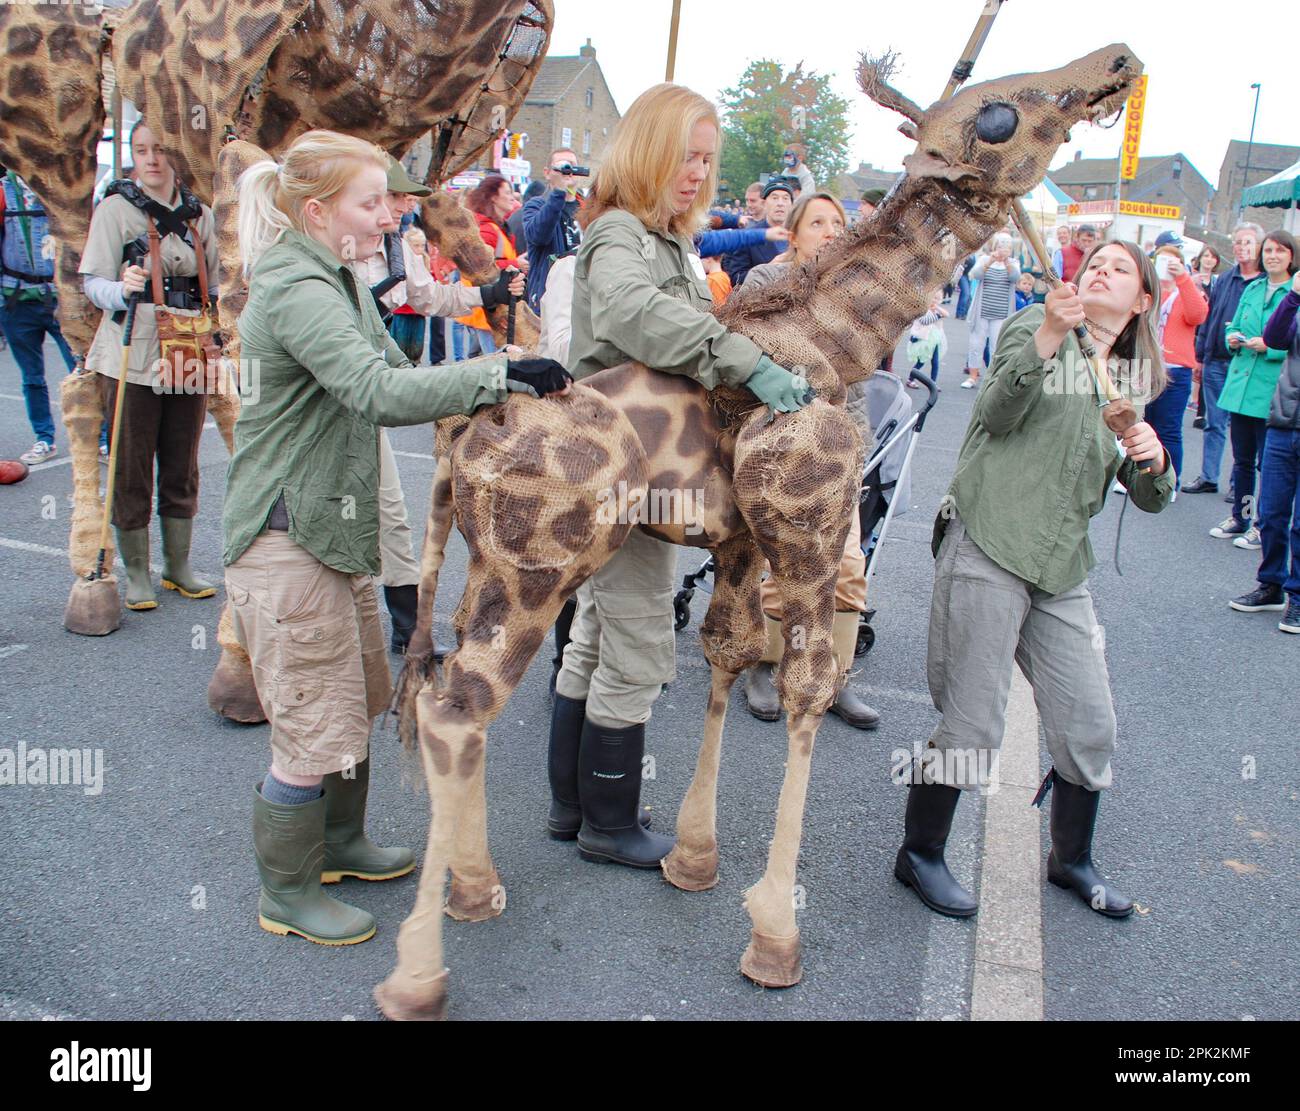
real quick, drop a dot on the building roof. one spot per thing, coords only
(1095, 171)
(867, 176)
(556, 77)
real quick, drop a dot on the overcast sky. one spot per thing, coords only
(1198, 97)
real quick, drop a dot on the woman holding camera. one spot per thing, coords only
(640, 294)
(302, 518)
(1182, 311)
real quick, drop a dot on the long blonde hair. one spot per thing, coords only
(796, 218)
(650, 144)
(318, 164)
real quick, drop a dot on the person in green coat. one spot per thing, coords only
(640, 293)
(1012, 562)
(1252, 379)
(301, 522)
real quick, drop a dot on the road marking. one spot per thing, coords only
(67, 459)
(27, 546)
(62, 553)
(12, 650)
(414, 454)
(1008, 980)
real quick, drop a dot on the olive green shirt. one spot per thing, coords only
(321, 375)
(1038, 461)
(641, 294)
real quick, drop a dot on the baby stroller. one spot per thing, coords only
(886, 486)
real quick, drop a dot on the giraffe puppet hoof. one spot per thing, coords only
(475, 902)
(94, 609)
(406, 1001)
(691, 871)
(772, 962)
(232, 692)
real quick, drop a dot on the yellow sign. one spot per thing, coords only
(1137, 100)
(1126, 208)
(1159, 211)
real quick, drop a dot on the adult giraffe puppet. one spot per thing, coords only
(526, 481)
(257, 70)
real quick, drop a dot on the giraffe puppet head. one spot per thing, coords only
(993, 141)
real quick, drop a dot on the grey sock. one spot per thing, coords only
(286, 794)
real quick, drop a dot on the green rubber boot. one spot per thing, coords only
(133, 544)
(177, 573)
(290, 845)
(348, 851)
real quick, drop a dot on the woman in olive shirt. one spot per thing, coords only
(1010, 586)
(301, 512)
(639, 293)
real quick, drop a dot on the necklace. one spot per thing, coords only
(1094, 326)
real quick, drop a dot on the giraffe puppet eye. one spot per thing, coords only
(996, 123)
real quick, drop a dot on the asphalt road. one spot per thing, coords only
(140, 902)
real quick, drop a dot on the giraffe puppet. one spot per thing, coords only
(524, 483)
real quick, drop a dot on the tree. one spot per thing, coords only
(769, 108)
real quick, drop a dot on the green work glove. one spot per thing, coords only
(777, 388)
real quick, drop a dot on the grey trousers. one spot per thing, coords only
(397, 563)
(622, 648)
(982, 620)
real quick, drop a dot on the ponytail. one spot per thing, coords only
(261, 220)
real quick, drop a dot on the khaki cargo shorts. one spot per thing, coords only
(319, 658)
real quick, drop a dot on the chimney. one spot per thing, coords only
(1077, 155)
(588, 51)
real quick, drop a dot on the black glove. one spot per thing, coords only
(536, 376)
(498, 292)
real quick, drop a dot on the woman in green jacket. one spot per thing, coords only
(640, 293)
(1252, 378)
(1010, 581)
(301, 519)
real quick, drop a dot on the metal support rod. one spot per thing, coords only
(1250, 146)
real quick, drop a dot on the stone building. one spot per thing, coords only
(1265, 160)
(569, 105)
(1164, 179)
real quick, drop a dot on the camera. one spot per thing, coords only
(571, 169)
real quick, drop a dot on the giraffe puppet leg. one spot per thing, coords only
(733, 637)
(418, 664)
(796, 482)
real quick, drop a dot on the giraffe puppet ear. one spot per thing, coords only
(908, 129)
(929, 163)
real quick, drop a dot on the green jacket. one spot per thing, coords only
(1252, 375)
(321, 375)
(641, 294)
(1038, 461)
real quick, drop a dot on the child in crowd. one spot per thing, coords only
(719, 280)
(1024, 291)
(926, 341)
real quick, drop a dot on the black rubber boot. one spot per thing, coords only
(401, 602)
(852, 709)
(563, 624)
(760, 693)
(920, 863)
(609, 790)
(1069, 864)
(565, 818)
